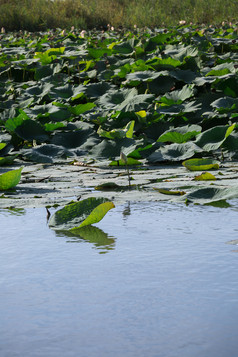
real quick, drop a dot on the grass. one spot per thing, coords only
(35, 15)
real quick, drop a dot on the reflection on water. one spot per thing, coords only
(127, 210)
(12, 211)
(168, 288)
(91, 234)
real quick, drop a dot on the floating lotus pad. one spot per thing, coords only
(201, 164)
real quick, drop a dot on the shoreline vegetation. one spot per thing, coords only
(17, 15)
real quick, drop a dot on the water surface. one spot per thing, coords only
(161, 282)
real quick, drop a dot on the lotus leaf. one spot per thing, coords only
(213, 138)
(79, 214)
(10, 179)
(204, 177)
(201, 164)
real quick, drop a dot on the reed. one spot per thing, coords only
(35, 15)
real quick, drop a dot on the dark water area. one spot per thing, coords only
(160, 280)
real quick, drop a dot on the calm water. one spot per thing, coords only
(161, 282)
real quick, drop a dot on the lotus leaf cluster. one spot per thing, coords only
(160, 95)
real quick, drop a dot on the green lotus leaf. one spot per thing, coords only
(136, 78)
(170, 192)
(81, 108)
(49, 55)
(31, 130)
(7, 160)
(127, 132)
(12, 123)
(225, 104)
(10, 179)
(2, 145)
(213, 138)
(174, 152)
(165, 63)
(178, 96)
(79, 214)
(212, 195)
(130, 162)
(180, 134)
(221, 69)
(124, 48)
(205, 177)
(53, 126)
(201, 164)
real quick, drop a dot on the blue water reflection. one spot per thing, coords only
(167, 287)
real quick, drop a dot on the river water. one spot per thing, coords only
(160, 281)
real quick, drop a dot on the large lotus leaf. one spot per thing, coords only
(124, 48)
(43, 72)
(52, 110)
(174, 152)
(112, 148)
(181, 95)
(31, 130)
(160, 64)
(97, 214)
(136, 78)
(181, 134)
(53, 126)
(7, 160)
(79, 214)
(71, 139)
(225, 104)
(39, 91)
(201, 164)
(2, 145)
(161, 38)
(136, 103)
(10, 179)
(221, 69)
(160, 85)
(46, 153)
(49, 55)
(212, 194)
(179, 109)
(113, 98)
(229, 86)
(200, 81)
(81, 108)
(127, 132)
(67, 91)
(231, 143)
(12, 123)
(180, 52)
(97, 53)
(129, 162)
(213, 138)
(96, 90)
(186, 76)
(205, 176)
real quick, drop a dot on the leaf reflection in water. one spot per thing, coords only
(90, 234)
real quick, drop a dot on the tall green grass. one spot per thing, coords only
(34, 15)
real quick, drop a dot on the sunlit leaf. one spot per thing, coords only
(10, 179)
(79, 214)
(213, 138)
(201, 164)
(97, 214)
(130, 162)
(205, 177)
(2, 145)
(170, 192)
